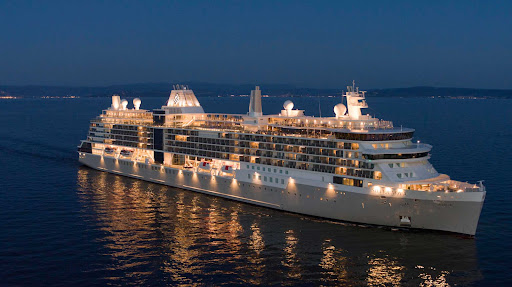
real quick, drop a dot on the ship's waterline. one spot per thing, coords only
(349, 167)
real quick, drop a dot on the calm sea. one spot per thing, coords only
(63, 224)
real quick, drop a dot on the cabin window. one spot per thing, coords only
(348, 181)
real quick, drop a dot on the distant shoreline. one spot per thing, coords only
(215, 90)
(224, 97)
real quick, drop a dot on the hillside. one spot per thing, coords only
(208, 89)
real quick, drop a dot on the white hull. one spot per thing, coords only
(452, 212)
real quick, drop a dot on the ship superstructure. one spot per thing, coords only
(351, 167)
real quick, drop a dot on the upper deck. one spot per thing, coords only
(183, 110)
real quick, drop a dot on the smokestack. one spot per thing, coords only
(116, 102)
(255, 104)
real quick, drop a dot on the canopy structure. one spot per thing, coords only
(437, 179)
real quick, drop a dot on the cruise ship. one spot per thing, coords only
(349, 167)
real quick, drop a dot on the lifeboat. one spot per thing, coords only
(205, 165)
(109, 150)
(126, 152)
(227, 169)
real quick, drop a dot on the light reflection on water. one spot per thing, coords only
(383, 271)
(153, 234)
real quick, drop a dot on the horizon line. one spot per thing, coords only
(242, 84)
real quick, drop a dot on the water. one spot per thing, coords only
(63, 224)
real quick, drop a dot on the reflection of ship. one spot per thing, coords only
(187, 238)
(350, 167)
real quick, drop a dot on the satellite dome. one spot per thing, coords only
(288, 105)
(136, 103)
(124, 103)
(340, 110)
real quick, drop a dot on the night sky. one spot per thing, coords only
(380, 44)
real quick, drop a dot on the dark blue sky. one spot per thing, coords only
(380, 44)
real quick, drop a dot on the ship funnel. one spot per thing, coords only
(116, 102)
(255, 104)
